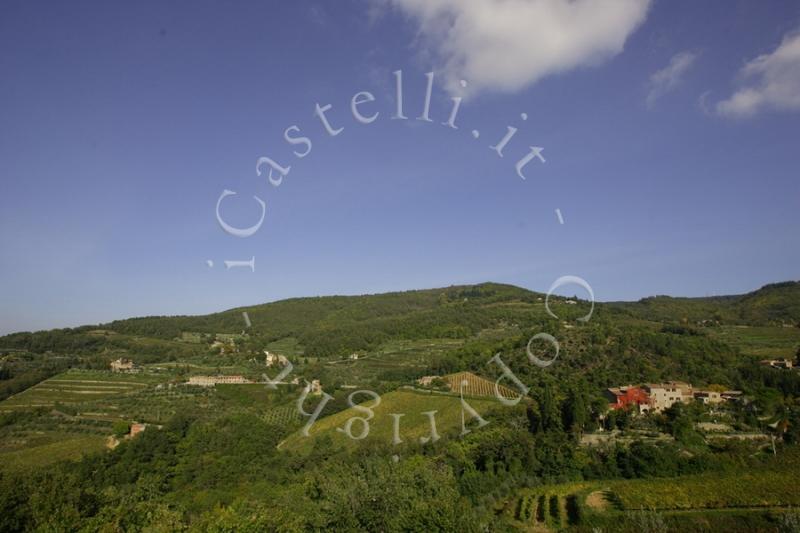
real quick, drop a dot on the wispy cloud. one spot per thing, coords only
(668, 78)
(376, 9)
(770, 81)
(702, 103)
(317, 14)
(507, 45)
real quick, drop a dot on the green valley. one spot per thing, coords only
(186, 433)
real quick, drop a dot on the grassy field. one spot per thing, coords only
(761, 342)
(60, 447)
(289, 346)
(413, 425)
(391, 357)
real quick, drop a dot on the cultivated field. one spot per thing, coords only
(477, 386)
(79, 386)
(710, 491)
(58, 447)
(413, 425)
(68, 415)
(391, 361)
(762, 342)
(730, 501)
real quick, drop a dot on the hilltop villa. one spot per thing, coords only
(273, 359)
(122, 365)
(665, 395)
(659, 397)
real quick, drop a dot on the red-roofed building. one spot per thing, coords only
(623, 397)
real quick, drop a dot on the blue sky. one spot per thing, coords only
(670, 135)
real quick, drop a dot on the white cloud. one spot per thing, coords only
(665, 80)
(506, 45)
(770, 81)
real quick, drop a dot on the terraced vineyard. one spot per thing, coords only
(747, 500)
(283, 415)
(712, 491)
(547, 507)
(43, 435)
(79, 386)
(151, 405)
(477, 386)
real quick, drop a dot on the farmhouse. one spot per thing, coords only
(216, 345)
(201, 381)
(226, 342)
(785, 364)
(732, 395)
(661, 396)
(708, 396)
(665, 395)
(122, 365)
(210, 381)
(629, 396)
(273, 359)
(235, 380)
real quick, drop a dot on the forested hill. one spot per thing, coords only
(330, 325)
(777, 303)
(774, 303)
(430, 308)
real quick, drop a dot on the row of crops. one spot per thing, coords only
(477, 386)
(75, 387)
(550, 509)
(283, 415)
(150, 405)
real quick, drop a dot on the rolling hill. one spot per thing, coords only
(772, 304)
(333, 325)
